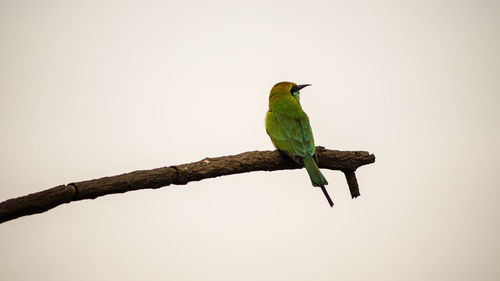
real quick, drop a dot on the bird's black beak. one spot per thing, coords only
(302, 86)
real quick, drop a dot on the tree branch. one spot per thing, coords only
(346, 161)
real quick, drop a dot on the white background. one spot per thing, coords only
(98, 88)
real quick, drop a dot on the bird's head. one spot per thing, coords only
(284, 89)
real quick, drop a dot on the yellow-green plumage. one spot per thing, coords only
(288, 126)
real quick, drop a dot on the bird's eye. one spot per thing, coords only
(293, 89)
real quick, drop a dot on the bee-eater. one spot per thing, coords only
(288, 126)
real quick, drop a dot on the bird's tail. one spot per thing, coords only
(317, 177)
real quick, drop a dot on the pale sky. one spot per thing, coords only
(98, 88)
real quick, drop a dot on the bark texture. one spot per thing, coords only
(346, 161)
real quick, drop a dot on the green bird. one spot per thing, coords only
(288, 126)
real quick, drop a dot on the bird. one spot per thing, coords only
(288, 127)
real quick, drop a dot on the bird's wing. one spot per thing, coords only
(307, 135)
(290, 135)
